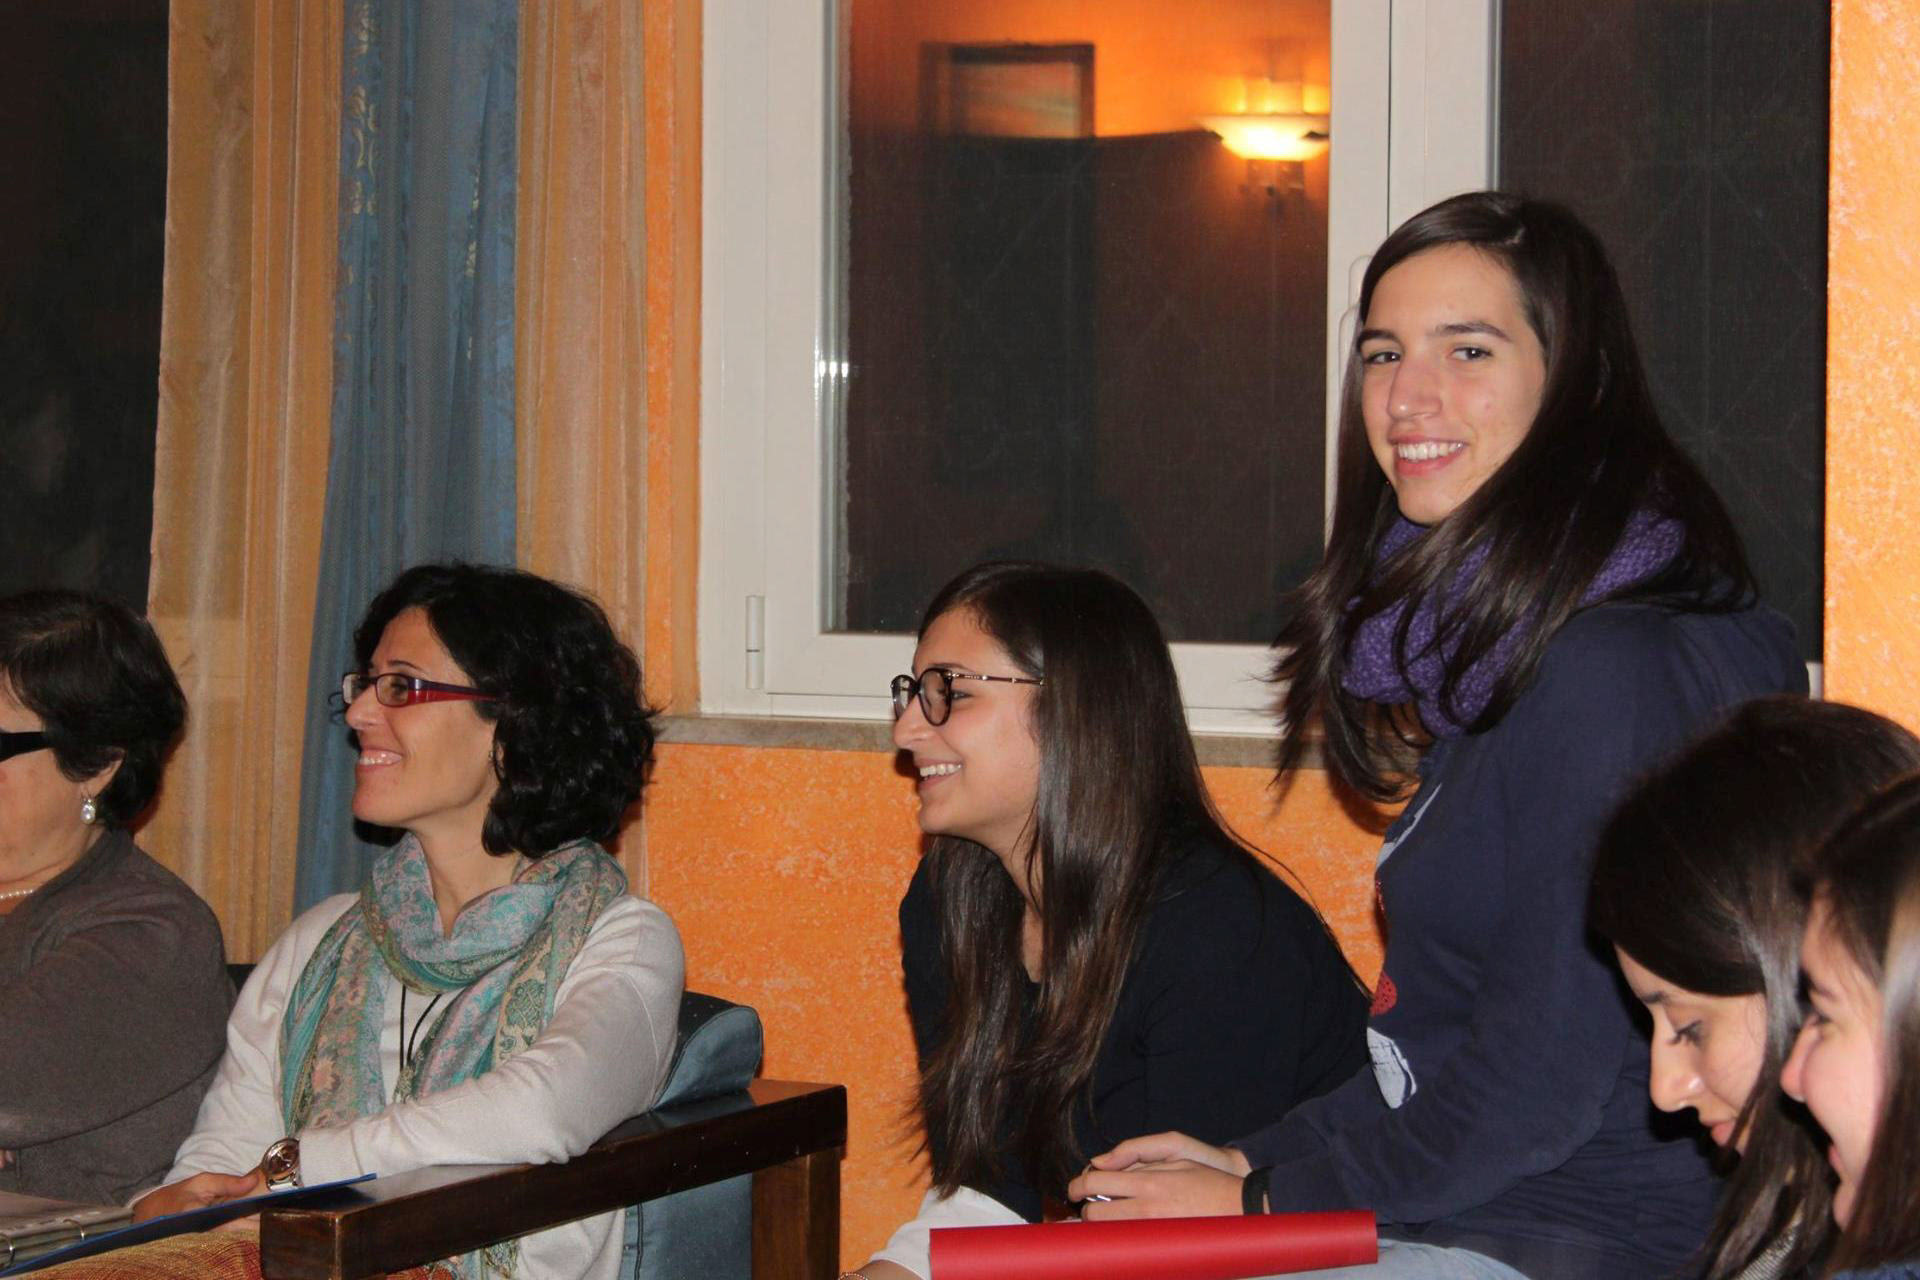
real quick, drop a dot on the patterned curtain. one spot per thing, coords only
(253, 121)
(422, 460)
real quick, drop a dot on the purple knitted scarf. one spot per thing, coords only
(1648, 545)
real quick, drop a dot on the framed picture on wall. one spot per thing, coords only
(1010, 90)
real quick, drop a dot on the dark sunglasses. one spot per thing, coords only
(14, 744)
(934, 688)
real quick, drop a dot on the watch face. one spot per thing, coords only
(281, 1163)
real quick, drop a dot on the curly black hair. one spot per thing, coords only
(573, 734)
(96, 675)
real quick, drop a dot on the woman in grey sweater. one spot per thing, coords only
(113, 985)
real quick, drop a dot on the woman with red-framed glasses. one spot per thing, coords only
(493, 994)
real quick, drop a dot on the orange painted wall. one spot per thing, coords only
(1873, 361)
(783, 869)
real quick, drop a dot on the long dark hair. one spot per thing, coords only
(1545, 521)
(1117, 773)
(1869, 883)
(1695, 878)
(573, 733)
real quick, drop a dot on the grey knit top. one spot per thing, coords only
(113, 1008)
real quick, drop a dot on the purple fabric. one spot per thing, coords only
(1373, 673)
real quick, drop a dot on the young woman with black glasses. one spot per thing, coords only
(1089, 953)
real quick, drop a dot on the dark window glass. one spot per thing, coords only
(83, 145)
(1077, 327)
(1693, 135)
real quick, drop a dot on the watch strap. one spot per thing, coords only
(1253, 1190)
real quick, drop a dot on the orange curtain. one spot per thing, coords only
(241, 451)
(580, 355)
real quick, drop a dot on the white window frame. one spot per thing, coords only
(1413, 121)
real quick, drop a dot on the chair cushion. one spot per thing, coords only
(708, 1231)
(719, 1049)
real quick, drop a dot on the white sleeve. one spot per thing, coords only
(602, 1058)
(240, 1116)
(910, 1246)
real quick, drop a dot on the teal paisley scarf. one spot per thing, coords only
(507, 953)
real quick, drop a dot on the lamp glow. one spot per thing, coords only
(1271, 137)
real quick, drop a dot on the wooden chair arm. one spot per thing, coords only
(788, 1135)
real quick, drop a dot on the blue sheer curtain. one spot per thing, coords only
(422, 455)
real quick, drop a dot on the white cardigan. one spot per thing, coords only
(602, 1058)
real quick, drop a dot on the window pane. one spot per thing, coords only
(83, 144)
(1075, 325)
(1692, 134)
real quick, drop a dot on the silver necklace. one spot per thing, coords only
(18, 893)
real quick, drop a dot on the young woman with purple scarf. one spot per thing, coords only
(1529, 596)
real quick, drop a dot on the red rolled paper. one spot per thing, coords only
(1229, 1248)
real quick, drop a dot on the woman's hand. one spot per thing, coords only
(1170, 1189)
(1159, 1148)
(199, 1192)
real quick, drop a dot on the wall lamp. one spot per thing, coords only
(1271, 137)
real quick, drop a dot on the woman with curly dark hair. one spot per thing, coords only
(113, 986)
(493, 994)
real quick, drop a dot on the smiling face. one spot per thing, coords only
(1707, 1051)
(980, 771)
(425, 768)
(1836, 1063)
(1451, 376)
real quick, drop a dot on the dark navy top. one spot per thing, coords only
(1237, 1005)
(1507, 1109)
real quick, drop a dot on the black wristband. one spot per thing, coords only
(1253, 1190)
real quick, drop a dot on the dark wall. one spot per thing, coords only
(83, 134)
(1692, 134)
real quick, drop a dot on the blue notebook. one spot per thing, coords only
(173, 1224)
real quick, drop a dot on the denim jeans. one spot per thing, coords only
(1402, 1261)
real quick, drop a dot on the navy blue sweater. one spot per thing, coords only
(1507, 1108)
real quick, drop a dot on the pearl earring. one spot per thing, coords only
(89, 810)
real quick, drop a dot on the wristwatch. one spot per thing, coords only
(281, 1164)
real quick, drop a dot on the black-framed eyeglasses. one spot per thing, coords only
(934, 688)
(17, 744)
(396, 690)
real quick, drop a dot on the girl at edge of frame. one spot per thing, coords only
(1695, 886)
(1529, 596)
(1856, 1064)
(1089, 954)
(113, 978)
(493, 994)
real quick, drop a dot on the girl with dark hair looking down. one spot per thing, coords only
(1695, 885)
(493, 994)
(1529, 595)
(1089, 954)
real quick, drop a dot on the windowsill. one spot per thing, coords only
(797, 733)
